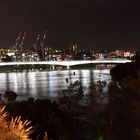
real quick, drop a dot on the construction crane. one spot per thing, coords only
(44, 37)
(42, 45)
(17, 47)
(16, 44)
(22, 42)
(36, 43)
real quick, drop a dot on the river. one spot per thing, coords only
(47, 84)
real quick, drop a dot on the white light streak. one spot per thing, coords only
(65, 63)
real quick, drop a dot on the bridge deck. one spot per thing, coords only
(66, 63)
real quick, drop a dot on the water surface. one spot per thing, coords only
(47, 84)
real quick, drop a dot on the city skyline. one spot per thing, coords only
(89, 24)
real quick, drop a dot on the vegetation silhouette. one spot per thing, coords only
(114, 115)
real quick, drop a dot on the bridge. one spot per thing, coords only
(66, 63)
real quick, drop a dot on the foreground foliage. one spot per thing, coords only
(14, 129)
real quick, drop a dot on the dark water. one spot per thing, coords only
(48, 84)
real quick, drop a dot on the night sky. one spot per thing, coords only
(88, 23)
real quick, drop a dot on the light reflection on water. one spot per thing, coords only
(48, 84)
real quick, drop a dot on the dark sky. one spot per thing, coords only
(88, 23)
